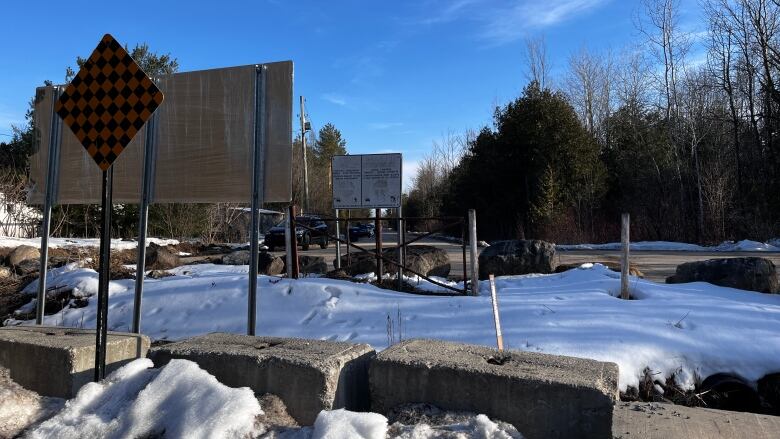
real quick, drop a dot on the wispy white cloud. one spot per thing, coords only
(509, 21)
(384, 125)
(505, 25)
(335, 98)
(452, 11)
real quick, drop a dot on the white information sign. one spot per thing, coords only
(366, 181)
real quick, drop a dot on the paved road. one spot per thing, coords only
(656, 265)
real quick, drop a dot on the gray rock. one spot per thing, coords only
(160, 258)
(23, 253)
(266, 263)
(269, 264)
(312, 264)
(517, 257)
(28, 266)
(752, 273)
(238, 257)
(159, 274)
(359, 263)
(424, 259)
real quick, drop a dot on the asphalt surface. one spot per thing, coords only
(656, 265)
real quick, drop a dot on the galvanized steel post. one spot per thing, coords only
(143, 219)
(52, 174)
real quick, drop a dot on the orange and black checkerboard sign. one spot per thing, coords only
(108, 102)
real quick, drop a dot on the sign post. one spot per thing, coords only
(105, 106)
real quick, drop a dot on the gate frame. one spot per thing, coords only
(402, 245)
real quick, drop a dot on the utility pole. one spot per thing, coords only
(305, 126)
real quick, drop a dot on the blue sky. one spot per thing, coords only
(391, 75)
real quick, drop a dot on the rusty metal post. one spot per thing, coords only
(337, 264)
(378, 237)
(400, 266)
(474, 253)
(463, 247)
(294, 244)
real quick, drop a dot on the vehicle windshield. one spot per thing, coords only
(302, 220)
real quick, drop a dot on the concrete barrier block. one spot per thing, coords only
(57, 361)
(308, 375)
(543, 396)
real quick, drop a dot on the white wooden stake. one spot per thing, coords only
(496, 320)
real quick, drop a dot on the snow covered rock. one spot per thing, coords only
(517, 257)
(180, 400)
(754, 274)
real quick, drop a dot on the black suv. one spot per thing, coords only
(319, 235)
(360, 230)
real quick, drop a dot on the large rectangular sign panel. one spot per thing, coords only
(367, 181)
(203, 134)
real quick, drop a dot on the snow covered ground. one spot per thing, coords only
(726, 246)
(181, 400)
(688, 330)
(116, 244)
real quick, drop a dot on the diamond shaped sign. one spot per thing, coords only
(108, 102)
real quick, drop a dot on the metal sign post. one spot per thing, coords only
(51, 182)
(338, 243)
(105, 106)
(258, 152)
(103, 277)
(378, 238)
(143, 221)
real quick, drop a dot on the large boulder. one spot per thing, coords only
(269, 264)
(312, 264)
(161, 258)
(23, 253)
(238, 257)
(359, 263)
(27, 267)
(517, 257)
(754, 274)
(266, 263)
(424, 259)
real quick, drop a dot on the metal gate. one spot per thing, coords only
(398, 260)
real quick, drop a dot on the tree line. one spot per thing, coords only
(680, 130)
